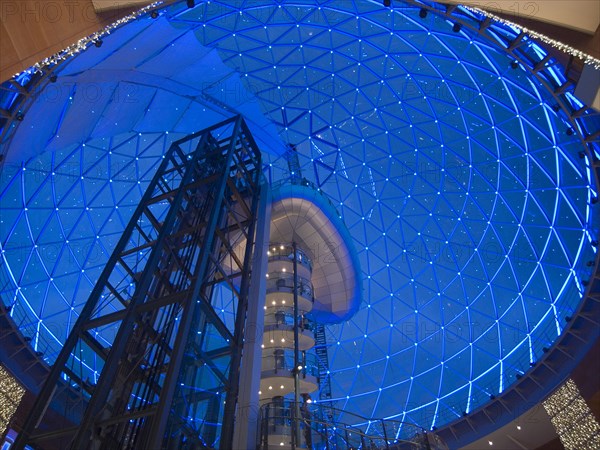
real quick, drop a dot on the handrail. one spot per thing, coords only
(393, 434)
(278, 419)
(282, 359)
(285, 318)
(285, 252)
(351, 436)
(283, 282)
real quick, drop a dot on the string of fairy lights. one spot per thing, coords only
(85, 42)
(11, 393)
(572, 418)
(587, 59)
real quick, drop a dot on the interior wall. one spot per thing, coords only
(31, 30)
(581, 15)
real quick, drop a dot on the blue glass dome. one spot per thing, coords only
(466, 187)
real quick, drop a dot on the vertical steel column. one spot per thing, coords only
(47, 392)
(156, 285)
(164, 404)
(385, 436)
(106, 383)
(237, 344)
(296, 352)
(248, 410)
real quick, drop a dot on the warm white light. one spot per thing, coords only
(299, 367)
(572, 418)
(283, 302)
(518, 427)
(268, 253)
(270, 388)
(284, 269)
(490, 442)
(259, 392)
(272, 341)
(281, 387)
(9, 402)
(282, 339)
(588, 59)
(281, 247)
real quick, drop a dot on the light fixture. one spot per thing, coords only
(191, 3)
(456, 27)
(387, 3)
(490, 442)
(12, 394)
(573, 420)
(154, 14)
(98, 43)
(514, 64)
(422, 13)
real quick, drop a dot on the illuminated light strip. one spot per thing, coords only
(83, 43)
(11, 393)
(588, 59)
(572, 418)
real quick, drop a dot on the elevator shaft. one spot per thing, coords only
(154, 362)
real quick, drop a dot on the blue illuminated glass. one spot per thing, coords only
(467, 200)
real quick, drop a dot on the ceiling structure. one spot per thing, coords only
(461, 175)
(580, 15)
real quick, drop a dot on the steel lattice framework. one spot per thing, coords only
(172, 359)
(464, 166)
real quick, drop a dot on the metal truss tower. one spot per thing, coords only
(165, 361)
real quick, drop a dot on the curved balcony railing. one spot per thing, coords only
(282, 426)
(284, 282)
(278, 252)
(284, 319)
(281, 360)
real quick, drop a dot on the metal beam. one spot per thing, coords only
(167, 299)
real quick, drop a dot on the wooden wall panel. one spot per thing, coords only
(32, 30)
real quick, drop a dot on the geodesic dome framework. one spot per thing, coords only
(466, 183)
